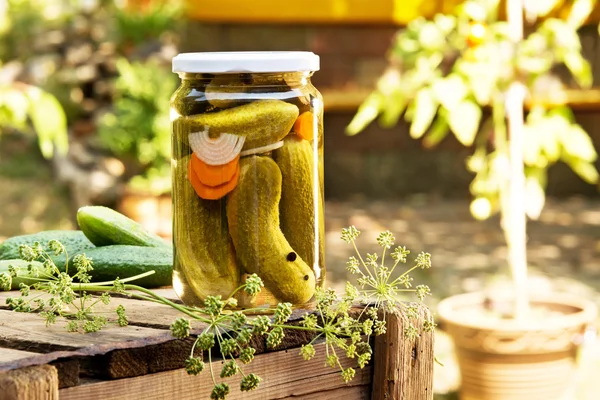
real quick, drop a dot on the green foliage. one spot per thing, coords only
(31, 109)
(25, 25)
(148, 21)
(138, 126)
(444, 72)
(22, 20)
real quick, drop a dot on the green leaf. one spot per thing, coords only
(535, 184)
(439, 130)
(580, 12)
(481, 77)
(426, 69)
(49, 122)
(587, 171)
(431, 37)
(406, 45)
(464, 119)
(393, 108)
(488, 180)
(577, 144)
(579, 67)
(501, 30)
(367, 112)
(553, 127)
(563, 35)
(449, 90)
(478, 161)
(550, 143)
(564, 112)
(16, 103)
(536, 64)
(424, 109)
(532, 146)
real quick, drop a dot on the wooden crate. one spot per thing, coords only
(143, 361)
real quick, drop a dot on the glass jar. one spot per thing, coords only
(247, 162)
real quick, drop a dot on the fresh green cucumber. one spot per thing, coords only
(104, 226)
(123, 261)
(75, 242)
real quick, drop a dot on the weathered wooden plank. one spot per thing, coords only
(362, 392)
(132, 362)
(139, 312)
(284, 374)
(11, 355)
(31, 331)
(27, 332)
(403, 368)
(168, 293)
(31, 383)
(68, 372)
(115, 352)
(167, 356)
(143, 313)
(118, 361)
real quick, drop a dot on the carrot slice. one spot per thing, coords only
(212, 192)
(304, 125)
(214, 175)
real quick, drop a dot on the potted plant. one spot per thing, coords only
(471, 73)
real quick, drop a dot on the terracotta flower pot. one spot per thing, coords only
(152, 212)
(506, 359)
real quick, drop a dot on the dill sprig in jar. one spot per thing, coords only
(247, 162)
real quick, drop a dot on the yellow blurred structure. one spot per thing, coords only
(317, 11)
(398, 12)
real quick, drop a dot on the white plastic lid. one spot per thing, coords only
(246, 61)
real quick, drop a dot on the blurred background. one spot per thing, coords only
(84, 119)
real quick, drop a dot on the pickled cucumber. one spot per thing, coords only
(226, 91)
(179, 149)
(297, 206)
(204, 254)
(263, 122)
(190, 98)
(231, 90)
(253, 216)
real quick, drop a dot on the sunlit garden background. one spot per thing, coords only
(84, 119)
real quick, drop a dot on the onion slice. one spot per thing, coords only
(217, 151)
(262, 149)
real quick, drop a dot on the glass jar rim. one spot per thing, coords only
(246, 62)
